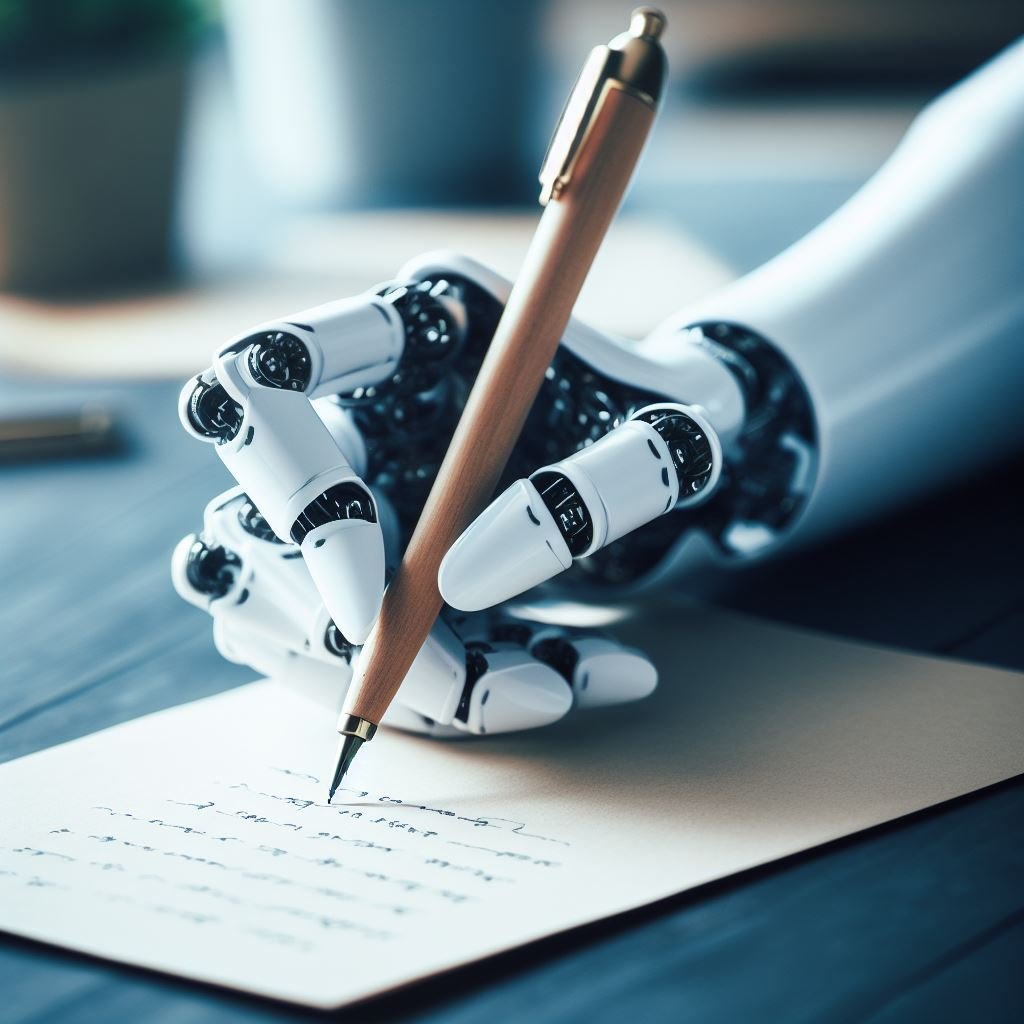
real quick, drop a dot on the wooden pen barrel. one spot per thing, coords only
(560, 256)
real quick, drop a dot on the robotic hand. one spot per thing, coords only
(297, 610)
(876, 359)
(475, 674)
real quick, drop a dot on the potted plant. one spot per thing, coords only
(91, 108)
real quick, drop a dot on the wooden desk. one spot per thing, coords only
(922, 919)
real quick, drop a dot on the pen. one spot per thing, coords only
(86, 431)
(589, 163)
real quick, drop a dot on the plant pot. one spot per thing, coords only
(389, 102)
(88, 170)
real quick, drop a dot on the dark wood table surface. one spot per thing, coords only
(919, 919)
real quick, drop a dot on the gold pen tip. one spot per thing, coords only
(647, 23)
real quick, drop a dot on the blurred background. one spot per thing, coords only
(172, 171)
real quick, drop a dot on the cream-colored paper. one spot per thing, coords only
(196, 841)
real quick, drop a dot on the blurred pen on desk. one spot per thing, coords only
(89, 430)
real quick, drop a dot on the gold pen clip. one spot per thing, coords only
(632, 61)
(576, 118)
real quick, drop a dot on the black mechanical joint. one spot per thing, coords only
(342, 501)
(211, 570)
(280, 360)
(567, 508)
(336, 643)
(688, 444)
(250, 518)
(213, 412)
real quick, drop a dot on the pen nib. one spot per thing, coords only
(348, 746)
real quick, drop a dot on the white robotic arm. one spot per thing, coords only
(903, 313)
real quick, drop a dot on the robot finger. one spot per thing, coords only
(507, 690)
(266, 612)
(325, 683)
(451, 690)
(322, 674)
(664, 456)
(219, 581)
(238, 567)
(284, 455)
(398, 716)
(598, 670)
(481, 688)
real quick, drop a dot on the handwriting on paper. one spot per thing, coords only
(282, 866)
(172, 842)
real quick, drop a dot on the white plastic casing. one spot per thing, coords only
(531, 696)
(324, 684)
(510, 547)
(346, 561)
(353, 343)
(608, 673)
(398, 716)
(903, 313)
(625, 479)
(605, 672)
(273, 619)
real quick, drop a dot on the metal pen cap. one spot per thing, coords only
(633, 62)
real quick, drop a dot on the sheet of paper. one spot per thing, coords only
(196, 840)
